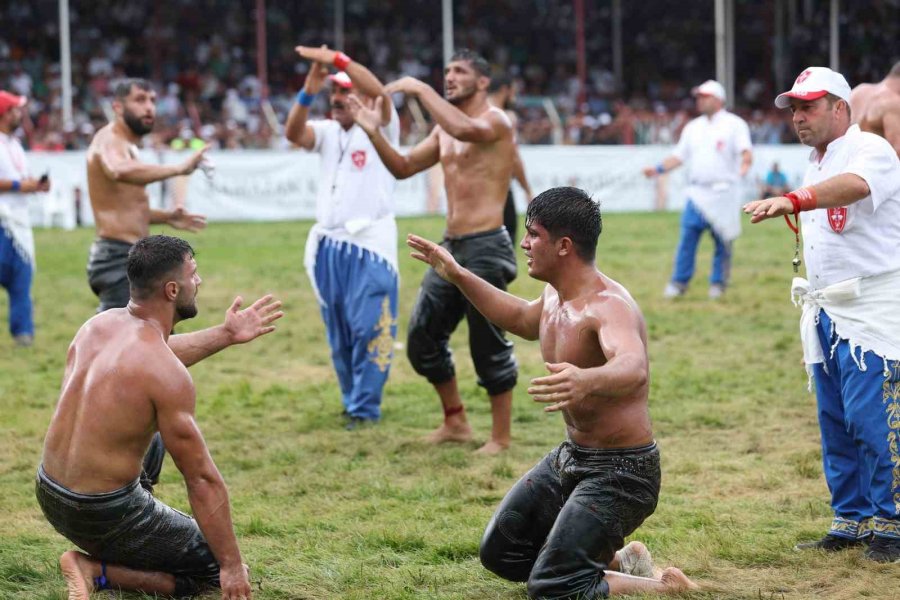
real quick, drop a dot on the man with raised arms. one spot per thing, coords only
(473, 141)
(116, 183)
(126, 378)
(559, 527)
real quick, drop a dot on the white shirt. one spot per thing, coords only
(14, 205)
(712, 147)
(861, 239)
(354, 184)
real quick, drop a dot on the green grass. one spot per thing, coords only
(323, 513)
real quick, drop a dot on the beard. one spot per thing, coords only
(186, 311)
(136, 125)
(462, 95)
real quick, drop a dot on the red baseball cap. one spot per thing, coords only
(7, 101)
(341, 79)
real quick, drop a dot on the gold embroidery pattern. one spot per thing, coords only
(891, 400)
(381, 348)
(849, 527)
(886, 527)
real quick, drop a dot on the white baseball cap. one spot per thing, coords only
(342, 79)
(813, 83)
(710, 87)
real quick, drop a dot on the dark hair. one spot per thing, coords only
(833, 99)
(153, 258)
(123, 88)
(568, 212)
(499, 81)
(477, 61)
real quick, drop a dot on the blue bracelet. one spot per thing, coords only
(16, 185)
(660, 168)
(304, 99)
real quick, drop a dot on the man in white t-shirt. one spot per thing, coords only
(717, 147)
(849, 210)
(351, 253)
(16, 241)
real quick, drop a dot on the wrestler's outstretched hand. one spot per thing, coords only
(256, 320)
(564, 386)
(760, 210)
(235, 583)
(182, 219)
(440, 260)
(405, 85)
(367, 117)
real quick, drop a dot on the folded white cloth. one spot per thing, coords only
(863, 311)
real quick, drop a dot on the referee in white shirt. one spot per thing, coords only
(16, 241)
(716, 145)
(351, 252)
(849, 212)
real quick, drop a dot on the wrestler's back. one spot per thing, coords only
(105, 417)
(569, 333)
(869, 103)
(476, 176)
(121, 210)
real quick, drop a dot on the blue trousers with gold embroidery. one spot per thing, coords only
(15, 276)
(360, 313)
(859, 416)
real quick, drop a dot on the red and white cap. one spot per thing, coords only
(710, 87)
(7, 101)
(812, 84)
(342, 79)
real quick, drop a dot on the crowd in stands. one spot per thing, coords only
(201, 57)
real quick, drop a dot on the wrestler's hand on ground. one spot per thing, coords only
(760, 210)
(255, 320)
(235, 583)
(564, 386)
(367, 117)
(404, 85)
(322, 55)
(182, 219)
(428, 252)
(191, 164)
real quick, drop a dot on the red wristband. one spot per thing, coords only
(803, 199)
(341, 61)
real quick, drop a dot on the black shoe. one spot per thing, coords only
(830, 543)
(883, 549)
(354, 423)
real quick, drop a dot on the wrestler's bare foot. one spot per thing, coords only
(676, 582)
(457, 432)
(78, 571)
(492, 448)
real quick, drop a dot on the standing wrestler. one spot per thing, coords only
(560, 526)
(849, 210)
(875, 107)
(116, 182)
(473, 141)
(351, 252)
(125, 379)
(502, 94)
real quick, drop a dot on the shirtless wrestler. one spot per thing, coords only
(473, 141)
(116, 182)
(125, 379)
(875, 107)
(559, 527)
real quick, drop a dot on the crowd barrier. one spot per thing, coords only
(270, 185)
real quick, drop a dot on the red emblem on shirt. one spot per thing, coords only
(837, 218)
(720, 146)
(802, 77)
(359, 158)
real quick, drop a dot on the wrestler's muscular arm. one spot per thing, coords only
(239, 327)
(174, 400)
(891, 124)
(120, 165)
(626, 371)
(515, 315)
(423, 155)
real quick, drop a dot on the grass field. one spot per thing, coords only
(324, 513)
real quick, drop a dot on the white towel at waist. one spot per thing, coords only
(15, 220)
(719, 203)
(378, 236)
(863, 311)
